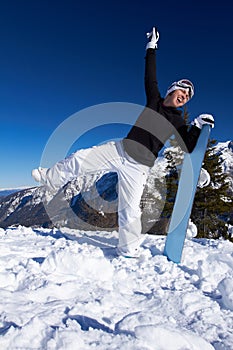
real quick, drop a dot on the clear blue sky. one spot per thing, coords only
(58, 57)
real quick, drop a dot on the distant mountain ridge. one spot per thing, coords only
(7, 191)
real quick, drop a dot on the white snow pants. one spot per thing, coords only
(132, 177)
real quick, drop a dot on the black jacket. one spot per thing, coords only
(157, 123)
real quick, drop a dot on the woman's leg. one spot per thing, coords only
(91, 160)
(131, 182)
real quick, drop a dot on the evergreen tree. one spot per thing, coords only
(172, 178)
(212, 204)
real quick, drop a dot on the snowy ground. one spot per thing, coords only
(60, 291)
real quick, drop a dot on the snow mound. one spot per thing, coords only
(87, 263)
(69, 290)
(171, 338)
(226, 289)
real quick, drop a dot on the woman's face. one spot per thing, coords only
(177, 98)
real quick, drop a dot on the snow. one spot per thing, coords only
(68, 290)
(225, 151)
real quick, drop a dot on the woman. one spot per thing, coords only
(132, 157)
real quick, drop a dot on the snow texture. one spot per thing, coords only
(225, 151)
(69, 290)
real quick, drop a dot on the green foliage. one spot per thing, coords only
(172, 185)
(212, 204)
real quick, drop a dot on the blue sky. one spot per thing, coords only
(59, 57)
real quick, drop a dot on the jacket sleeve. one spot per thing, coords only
(151, 84)
(189, 137)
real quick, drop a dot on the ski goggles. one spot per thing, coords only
(184, 84)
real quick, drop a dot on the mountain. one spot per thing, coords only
(90, 202)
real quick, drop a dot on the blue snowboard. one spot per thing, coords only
(184, 198)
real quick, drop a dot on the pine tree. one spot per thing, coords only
(172, 179)
(212, 204)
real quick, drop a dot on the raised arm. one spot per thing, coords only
(151, 84)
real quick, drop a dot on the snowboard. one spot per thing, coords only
(184, 198)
